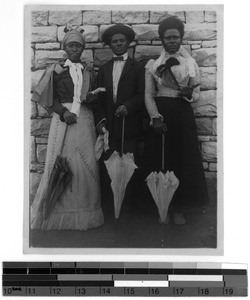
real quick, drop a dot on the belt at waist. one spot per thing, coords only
(68, 100)
(168, 93)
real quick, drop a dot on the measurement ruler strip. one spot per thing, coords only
(123, 279)
(124, 291)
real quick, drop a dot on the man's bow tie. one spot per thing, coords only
(115, 58)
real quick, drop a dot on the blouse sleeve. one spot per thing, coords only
(57, 107)
(195, 80)
(150, 91)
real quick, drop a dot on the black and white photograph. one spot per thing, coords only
(123, 129)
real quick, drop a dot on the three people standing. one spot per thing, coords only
(168, 86)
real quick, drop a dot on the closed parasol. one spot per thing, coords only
(162, 187)
(120, 168)
(60, 179)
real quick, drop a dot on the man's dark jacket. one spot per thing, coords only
(130, 93)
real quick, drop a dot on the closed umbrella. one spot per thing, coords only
(162, 187)
(120, 168)
(60, 178)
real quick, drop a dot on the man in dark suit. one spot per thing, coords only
(123, 79)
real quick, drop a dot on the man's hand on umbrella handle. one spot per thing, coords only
(69, 118)
(121, 111)
(159, 126)
(91, 98)
(100, 128)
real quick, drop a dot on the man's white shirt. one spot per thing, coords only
(117, 71)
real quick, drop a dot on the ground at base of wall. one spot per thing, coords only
(138, 227)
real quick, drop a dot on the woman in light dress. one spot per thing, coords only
(62, 90)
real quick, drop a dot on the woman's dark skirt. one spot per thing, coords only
(182, 152)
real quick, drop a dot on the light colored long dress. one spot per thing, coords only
(79, 207)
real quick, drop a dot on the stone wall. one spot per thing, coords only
(200, 41)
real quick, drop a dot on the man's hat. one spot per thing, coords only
(118, 28)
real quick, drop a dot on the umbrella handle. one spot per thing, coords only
(63, 141)
(123, 127)
(162, 152)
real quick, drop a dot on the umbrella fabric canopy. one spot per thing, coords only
(60, 178)
(162, 187)
(101, 144)
(120, 170)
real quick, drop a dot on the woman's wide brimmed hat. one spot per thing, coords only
(118, 28)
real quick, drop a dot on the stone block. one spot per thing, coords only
(158, 16)
(65, 17)
(146, 32)
(32, 58)
(37, 168)
(195, 47)
(206, 106)
(42, 112)
(104, 55)
(147, 52)
(200, 31)
(35, 179)
(60, 33)
(207, 138)
(91, 33)
(35, 77)
(41, 140)
(145, 43)
(187, 48)
(207, 97)
(130, 17)
(204, 126)
(209, 44)
(193, 42)
(214, 126)
(44, 34)
(41, 153)
(156, 43)
(205, 165)
(87, 56)
(212, 167)
(39, 18)
(92, 17)
(210, 16)
(211, 178)
(205, 57)
(195, 16)
(33, 110)
(93, 46)
(48, 46)
(209, 151)
(44, 58)
(204, 138)
(40, 126)
(208, 78)
(32, 149)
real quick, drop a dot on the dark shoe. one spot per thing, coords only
(179, 218)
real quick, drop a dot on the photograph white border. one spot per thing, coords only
(97, 251)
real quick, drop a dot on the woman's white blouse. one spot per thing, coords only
(186, 73)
